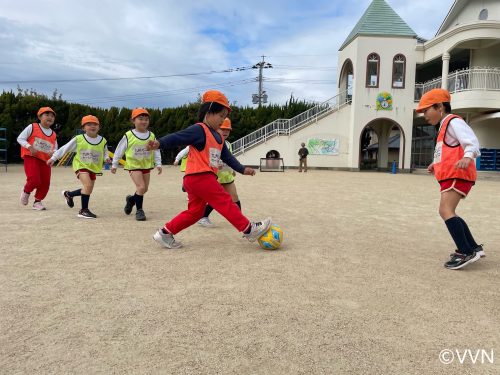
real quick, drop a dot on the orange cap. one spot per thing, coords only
(43, 110)
(226, 124)
(139, 111)
(217, 97)
(432, 97)
(89, 118)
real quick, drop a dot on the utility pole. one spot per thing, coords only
(261, 97)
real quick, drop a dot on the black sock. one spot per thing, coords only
(468, 234)
(457, 232)
(238, 204)
(37, 200)
(208, 210)
(138, 199)
(246, 231)
(85, 201)
(75, 193)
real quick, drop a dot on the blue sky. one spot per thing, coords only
(89, 50)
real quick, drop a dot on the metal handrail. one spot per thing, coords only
(287, 126)
(487, 79)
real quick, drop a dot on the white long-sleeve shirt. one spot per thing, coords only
(182, 153)
(22, 139)
(459, 132)
(71, 147)
(123, 144)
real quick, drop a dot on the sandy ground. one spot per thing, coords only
(357, 288)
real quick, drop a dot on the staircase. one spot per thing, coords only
(288, 126)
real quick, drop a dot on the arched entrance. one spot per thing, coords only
(382, 142)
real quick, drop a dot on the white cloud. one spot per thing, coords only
(56, 40)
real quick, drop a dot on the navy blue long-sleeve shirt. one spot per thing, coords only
(194, 136)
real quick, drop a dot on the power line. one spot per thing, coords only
(119, 98)
(126, 78)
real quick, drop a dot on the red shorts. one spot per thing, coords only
(91, 174)
(460, 186)
(144, 171)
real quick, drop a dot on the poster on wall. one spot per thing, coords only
(384, 101)
(320, 146)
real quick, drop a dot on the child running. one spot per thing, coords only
(454, 169)
(38, 143)
(206, 148)
(225, 177)
(90, 153)
(138, 160)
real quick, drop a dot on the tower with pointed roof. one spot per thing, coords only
(377, 61)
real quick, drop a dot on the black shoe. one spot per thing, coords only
(140, 215)
(69, 199)
(86, 214)
(129, 205)
(458, 260)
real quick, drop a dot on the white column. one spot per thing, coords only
(445, 71)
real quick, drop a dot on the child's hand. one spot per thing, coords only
(430, 168)
(32, 150)
(463, 163)
(249, 171)
(113, 170)
(153, 145)
(159, 169)
(50, 162)
(176, 162)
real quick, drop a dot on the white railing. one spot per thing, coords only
(487, 79)
(288, 126)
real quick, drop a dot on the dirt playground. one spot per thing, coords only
(358, 286)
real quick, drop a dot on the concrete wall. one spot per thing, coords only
(488, 133)
(486, 57)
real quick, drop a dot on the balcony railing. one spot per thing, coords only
(487, 79)
(288, 126)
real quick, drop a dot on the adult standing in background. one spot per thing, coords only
(303, 152)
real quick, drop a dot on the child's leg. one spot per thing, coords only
(43, 188)
(468, 234)
(447, 205)
(231, 189)
(141, 181)
(207, 188)
(185, 219)
(32, 174)
(87, 188)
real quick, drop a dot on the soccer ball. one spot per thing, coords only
(272, 239)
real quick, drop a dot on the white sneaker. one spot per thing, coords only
(38, 206)
(24, 198)
(205, 222)
(166, 240)
(479, 250)
(258, 229)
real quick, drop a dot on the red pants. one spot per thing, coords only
(37, 177)
(203, 188)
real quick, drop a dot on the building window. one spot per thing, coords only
(372, 70)
(483, 14)
(398, 71)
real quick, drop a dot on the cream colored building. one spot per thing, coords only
(384, 69)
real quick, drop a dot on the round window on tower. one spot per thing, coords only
(483, 15)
